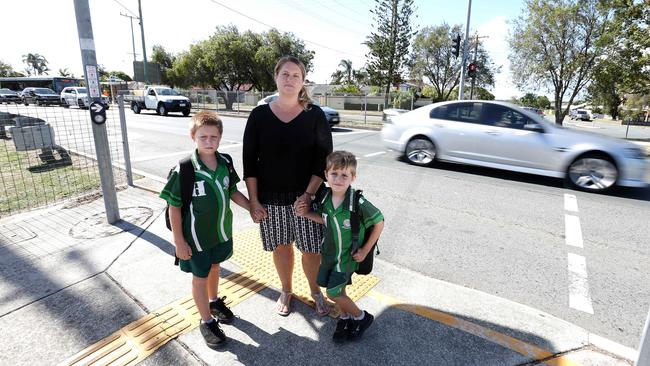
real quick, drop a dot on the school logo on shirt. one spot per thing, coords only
(199, 189)
(226, 182)
(346, 223)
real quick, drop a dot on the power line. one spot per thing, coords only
(125, 8)
(272, 27)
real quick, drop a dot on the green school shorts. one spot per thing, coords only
(333, 281)
(201, 262)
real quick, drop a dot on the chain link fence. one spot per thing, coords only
(47, 156)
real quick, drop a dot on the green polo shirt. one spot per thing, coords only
(337, 244)
(209, 219)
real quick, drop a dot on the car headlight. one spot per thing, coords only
(633, 153)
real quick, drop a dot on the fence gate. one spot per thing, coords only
(47, 155)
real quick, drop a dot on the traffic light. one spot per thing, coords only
(471, 70)
(456, 45)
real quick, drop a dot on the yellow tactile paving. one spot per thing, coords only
(136, 341)
(490, 335)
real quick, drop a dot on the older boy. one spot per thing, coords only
(337, 261)
(203, 236)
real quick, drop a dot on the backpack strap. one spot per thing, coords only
(186, 173)
(355, 218)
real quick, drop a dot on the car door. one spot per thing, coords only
(150, 100)
(458, 131)
(510, 143)
(71, 97)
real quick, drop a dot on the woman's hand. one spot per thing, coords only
(183, 250)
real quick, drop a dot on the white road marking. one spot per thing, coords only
(578, 285)
(573, 232)
(374, 154)
(354, 132)
(570, 202)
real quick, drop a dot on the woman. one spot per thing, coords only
(285, 146)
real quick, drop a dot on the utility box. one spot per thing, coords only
(33, 137)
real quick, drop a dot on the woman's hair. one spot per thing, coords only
(341, 160)
(303, 97)
(205, 118)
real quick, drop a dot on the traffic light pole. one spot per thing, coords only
(461, 90)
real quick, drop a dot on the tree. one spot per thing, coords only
(347, 70)
(555, 43)
(166, 62)
(623, 69)
(389, 44)
(7, 70)
(273, 46)
(432, 58)
(66, 73)
(36, 64)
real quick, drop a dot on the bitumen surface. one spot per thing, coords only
(71, 283)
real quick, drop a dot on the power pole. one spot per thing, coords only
(132, 36)
(96, 109)
(465, 44)
(144, 48)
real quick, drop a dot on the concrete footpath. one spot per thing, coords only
(69, 280)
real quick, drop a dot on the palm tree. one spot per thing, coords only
(347, 69)
(36, 64)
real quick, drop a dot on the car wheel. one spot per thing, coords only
(592, 173)
(64, 104)
(135, 108)
(420, 151)
(80, 103)
(161, 110)
(186, 112)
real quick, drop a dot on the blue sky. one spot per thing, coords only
(334, 29)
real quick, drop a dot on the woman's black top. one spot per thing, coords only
(284, 156)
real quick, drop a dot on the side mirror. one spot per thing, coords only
(534, 127)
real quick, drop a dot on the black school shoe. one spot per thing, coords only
(341, 332)
(221, 311)
(212, 334)
(357, 327)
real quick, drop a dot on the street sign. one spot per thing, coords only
(93, 84)
(97, 113)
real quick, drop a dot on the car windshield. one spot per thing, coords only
(44, 91)
(82, 91)
(166, 91)
(6, 91)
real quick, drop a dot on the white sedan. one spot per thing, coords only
(504, 136)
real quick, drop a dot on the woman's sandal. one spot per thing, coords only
(284, 302)
(322, 307)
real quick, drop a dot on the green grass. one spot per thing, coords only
(21, 189)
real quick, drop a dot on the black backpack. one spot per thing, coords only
(365, 266)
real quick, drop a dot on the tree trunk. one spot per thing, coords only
(558, 110)
(387, 95)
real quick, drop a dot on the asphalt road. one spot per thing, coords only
(578, 256)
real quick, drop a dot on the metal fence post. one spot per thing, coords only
(411, 101)
(365, 107)
(125, 141)
(89, 61)
(237, 96)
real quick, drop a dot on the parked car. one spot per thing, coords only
(503, 136)
(40, 96)
(331, 114)
(159, 98)
(580, 114)
(77, 95)
(9, 96)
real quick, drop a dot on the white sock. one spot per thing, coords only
(208, 322)
(344, 317)
(214, 300)
(363, 314)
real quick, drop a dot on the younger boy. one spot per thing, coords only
(337, 261)
(203, 235)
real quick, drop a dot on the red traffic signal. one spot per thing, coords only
(471, 70)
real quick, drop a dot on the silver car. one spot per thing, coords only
(504, 136)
